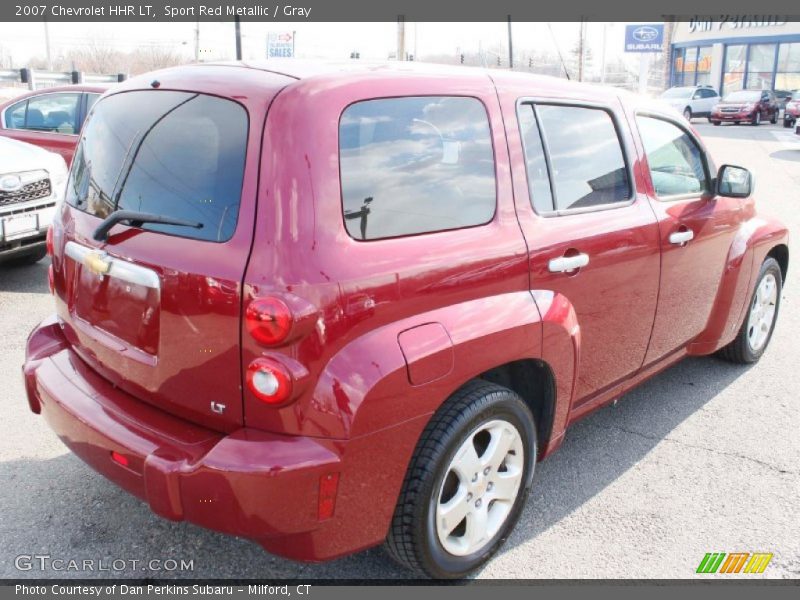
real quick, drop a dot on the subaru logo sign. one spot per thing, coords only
(644, 38)
(645, 34)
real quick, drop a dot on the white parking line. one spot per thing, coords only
(787, 138)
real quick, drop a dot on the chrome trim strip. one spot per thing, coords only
(121, 269)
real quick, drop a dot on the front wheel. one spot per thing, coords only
(774, 118)
(788, 123)
(687, 113)
(716, 123)
(756, 332)
(757, 118)
(467, 482)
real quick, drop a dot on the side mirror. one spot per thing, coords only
(734, 182)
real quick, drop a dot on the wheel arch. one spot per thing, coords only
(533, 380)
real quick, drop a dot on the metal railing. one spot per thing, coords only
(34, 79)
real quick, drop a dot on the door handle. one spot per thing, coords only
(568, 263)
(681, 237)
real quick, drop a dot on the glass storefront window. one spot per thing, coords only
(788, 73)
(691, 66)
(704, 65)
(733, 73)
(760, 66)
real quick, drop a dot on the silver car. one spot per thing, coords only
(32, 182)
(691, 100)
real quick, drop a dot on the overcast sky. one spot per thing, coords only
(313, 40)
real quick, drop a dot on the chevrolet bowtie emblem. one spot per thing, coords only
(97, 263)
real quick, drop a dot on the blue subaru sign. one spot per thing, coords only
(644, 38)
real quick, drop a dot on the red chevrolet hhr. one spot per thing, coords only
(329, 306)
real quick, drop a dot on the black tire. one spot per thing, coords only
(739, 350)
(413, 539)
(756, 119)
(787, 123)
(774, 118)
(716, 123)
(28, 259)
(687, 114)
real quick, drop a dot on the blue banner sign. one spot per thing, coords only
(644, 38)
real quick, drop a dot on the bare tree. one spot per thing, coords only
(149, 58)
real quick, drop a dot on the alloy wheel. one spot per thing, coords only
(480, 487)
(762, 312)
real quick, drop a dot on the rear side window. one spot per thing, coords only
(54, 113)
(415, 165)
(588, 167)
(175, 154)
(676, 162)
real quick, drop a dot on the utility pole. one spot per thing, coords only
(47, 45)
(510, 46)
(581, 49)
(197, 42)
(238, 25)
(401, 37)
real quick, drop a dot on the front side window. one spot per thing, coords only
(175, 154)
(54, 113)
(415, 165)
(676, 162)
(587, 163)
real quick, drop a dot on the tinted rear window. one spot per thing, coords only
(415, 165)
(175, 154)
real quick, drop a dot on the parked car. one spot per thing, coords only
(51, 118)
(782, 97)
(792, 111)
(691, 101)
(32, 181)
(437, 271)
(746, 106)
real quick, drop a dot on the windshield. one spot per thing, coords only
(175, 154)
(678, 92)
(743, 96)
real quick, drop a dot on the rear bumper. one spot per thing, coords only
(249, 483)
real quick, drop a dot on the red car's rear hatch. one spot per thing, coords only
(155, 307)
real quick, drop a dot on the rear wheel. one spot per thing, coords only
(754, 336)
(788, 123)
(467, 482)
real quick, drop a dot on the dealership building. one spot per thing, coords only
(733, 53)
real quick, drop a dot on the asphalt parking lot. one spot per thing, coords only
(705, 457)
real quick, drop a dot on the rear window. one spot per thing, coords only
(175, 154)
(415, 165)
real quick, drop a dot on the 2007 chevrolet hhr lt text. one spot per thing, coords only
(329, 306)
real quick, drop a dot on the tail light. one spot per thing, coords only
(49, 241)
(268, 320)
(269, 381)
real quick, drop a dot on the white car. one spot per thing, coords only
(32, 183)
(691, 101)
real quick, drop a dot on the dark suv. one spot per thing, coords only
(746, 106)
(325, 306)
